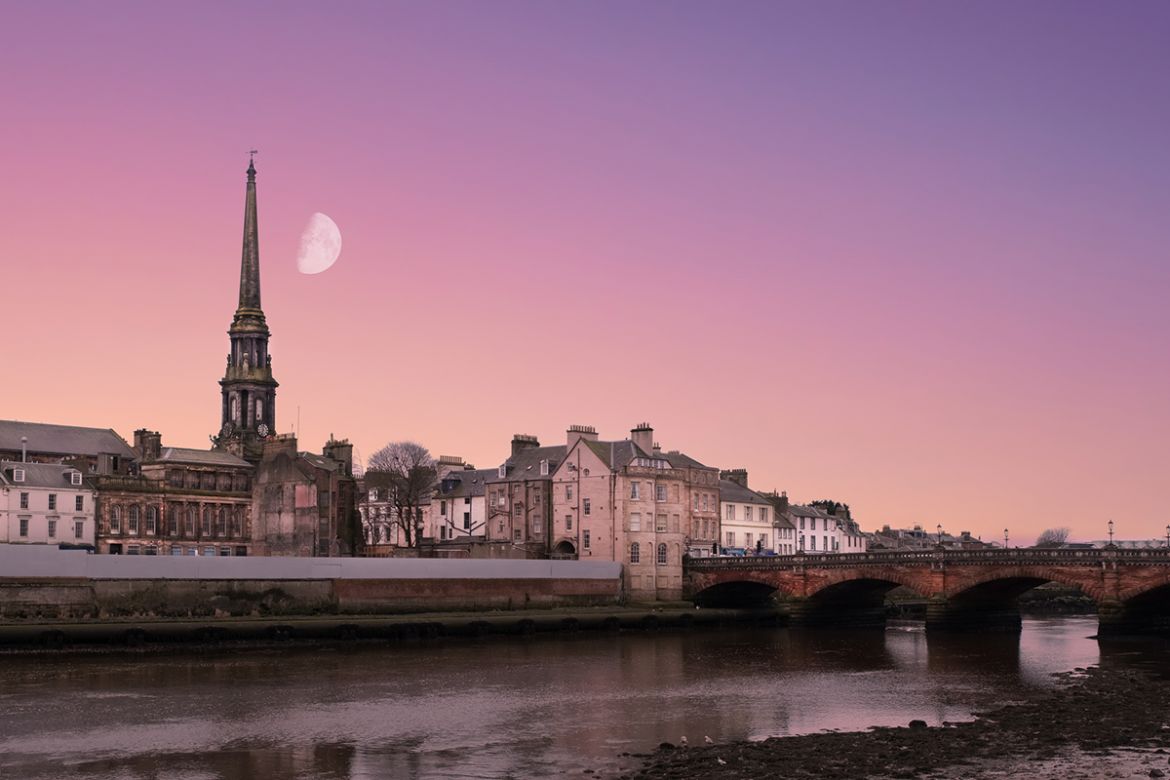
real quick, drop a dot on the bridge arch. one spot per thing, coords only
(1010, 582)
(745, 592)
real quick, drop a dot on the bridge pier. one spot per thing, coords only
(945, 615)
(1136, 618)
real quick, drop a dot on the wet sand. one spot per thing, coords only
(1095, 724)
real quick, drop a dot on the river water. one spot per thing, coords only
(499, 707)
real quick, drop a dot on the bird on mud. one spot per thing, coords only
(721, 761)
(683, 740)
(708, 740)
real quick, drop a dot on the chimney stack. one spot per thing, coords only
(148, 444)
(522, 441)
(643, 437)
(586, 432)
(24, 449)
(738, 476)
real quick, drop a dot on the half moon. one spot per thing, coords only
(320, 245)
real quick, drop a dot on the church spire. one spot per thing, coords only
(250, 261)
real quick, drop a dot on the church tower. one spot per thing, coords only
(248, 389)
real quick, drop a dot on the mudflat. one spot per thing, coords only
(1095, 723)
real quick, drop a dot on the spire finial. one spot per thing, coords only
(251, 163)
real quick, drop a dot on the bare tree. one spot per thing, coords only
(1052, 537)
(410, 472)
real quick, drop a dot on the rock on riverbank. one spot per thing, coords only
(1091, 716)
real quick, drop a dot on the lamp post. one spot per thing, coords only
(1005, 538)
(1168, 536)
(1110, 533)
(939, 527)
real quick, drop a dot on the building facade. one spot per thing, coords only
(630, 502)
(519, 502)
(45, 503)
(89, 450)
(818, 531)
(747, 522)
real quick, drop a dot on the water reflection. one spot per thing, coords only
(501, 708)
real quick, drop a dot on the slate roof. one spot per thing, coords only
(615, 454)
(45, 475)
(525, 464)
(320, 461)
(63, 439)
(730, 490)
(200, 457)
(681, 460)
(467, 483)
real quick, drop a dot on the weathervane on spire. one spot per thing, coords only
(252, 153)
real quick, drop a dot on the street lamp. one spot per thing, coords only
(1005, 538)
(940, 534)
(1168, 536)
(1110, 533)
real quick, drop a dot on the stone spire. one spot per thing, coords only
(250, 260)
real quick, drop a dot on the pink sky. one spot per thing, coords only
(911, 256)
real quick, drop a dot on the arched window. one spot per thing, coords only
(662, 555)
(133, 520)
(237, 530)
(221, 526)
(151, 520)
(116, 519)
(191, 521)
(635, 553)
(206, 521)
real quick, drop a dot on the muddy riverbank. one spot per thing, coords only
(1096, 723)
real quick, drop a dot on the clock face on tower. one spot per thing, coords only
(262, 429)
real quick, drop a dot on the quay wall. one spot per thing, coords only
(47, 583)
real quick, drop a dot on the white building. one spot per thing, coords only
(459, 506)
(44, 503)
(747, 517)
(817, 531)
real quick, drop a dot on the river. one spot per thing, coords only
(498, 707)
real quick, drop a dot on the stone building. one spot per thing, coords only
(818, 531)
(519, 499)
(459, 506)
(45, 503)
(304, 504)
(89, 450)
(630, 502)
(182, 502)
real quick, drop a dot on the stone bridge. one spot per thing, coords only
(964, 589)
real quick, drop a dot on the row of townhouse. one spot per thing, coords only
(625, 500)
(88, 487)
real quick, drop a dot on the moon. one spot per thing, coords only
(320, 245)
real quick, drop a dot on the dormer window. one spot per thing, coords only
(75, 478)
(503, 470)
(18, 475)
(544, 468)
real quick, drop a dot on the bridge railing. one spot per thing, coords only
(940, 555)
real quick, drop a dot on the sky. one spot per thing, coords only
(913, 256)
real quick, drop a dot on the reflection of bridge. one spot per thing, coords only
(965, 589)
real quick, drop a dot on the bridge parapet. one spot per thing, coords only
(1016, 556)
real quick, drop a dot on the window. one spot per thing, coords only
(18, 475)
(75, 478)
(116, 519)
(635, 521)
(729, 513)
(660, 492)
(635, 553)
(517, 509)
(78, 503)
(585, 505)
(206, 521)
(176, 550)
(151, 520)
(536, 523)
(569, 492)
(259, 409)
(763, 514)
(635, 491)
(585, 539)
(52, 501)
(747, 540)
(209, 551)
(443, 508)
(24, 500)
(802, 523)
(24, 527)
(544, 468)
(731, 538)
(221, 524)
(133, 521)
(173, 521)
(704, 502)
(467, 521)
(812, 543)
(747, 514)
(52, 528)
(674, 492)
(660, 524)
(190, 521)
(467, 502)
(674, 523)
(503, 472)
(695, 496)
(516, 535)
(132, 549)
(662, 555)
(373, 494)
(568, 522)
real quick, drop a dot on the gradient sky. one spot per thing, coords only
(911, 255)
